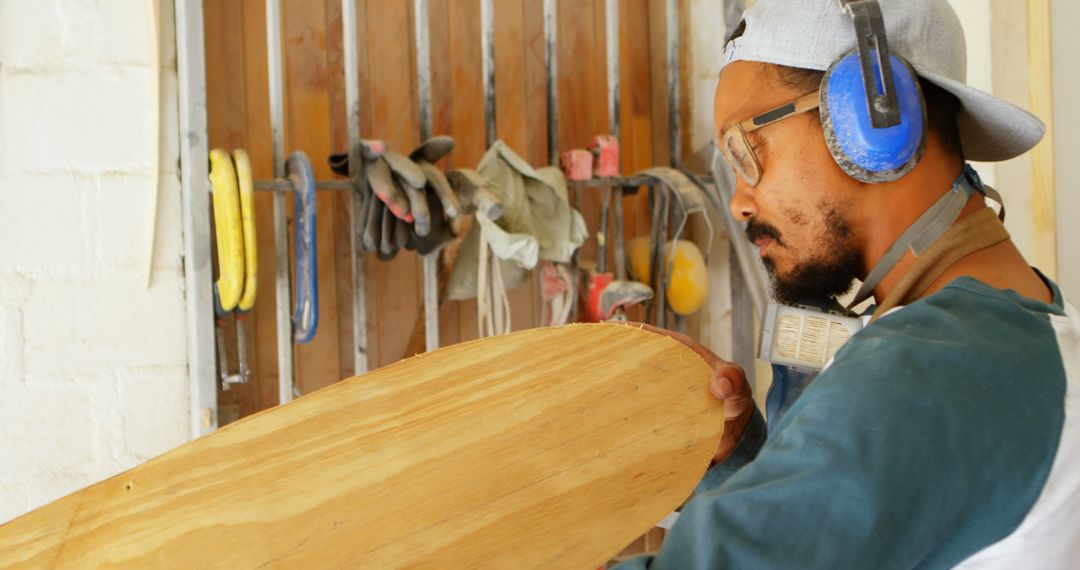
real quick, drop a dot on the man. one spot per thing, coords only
(945, 433)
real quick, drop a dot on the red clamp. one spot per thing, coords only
(605, 151)
(577, 164)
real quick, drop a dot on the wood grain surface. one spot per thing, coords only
(544, 448)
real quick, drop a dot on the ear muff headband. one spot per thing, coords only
(874, 121)
(864, 152)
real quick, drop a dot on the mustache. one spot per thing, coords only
(756, 230)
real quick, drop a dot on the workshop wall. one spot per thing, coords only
(92, 363)
(1067, 144)
(238, 117)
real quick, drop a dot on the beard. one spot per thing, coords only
(820, 278)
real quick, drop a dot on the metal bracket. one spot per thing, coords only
(881, 101)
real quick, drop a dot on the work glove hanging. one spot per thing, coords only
(444, 205)
(411, 180)
(415, 203)
(392, 177)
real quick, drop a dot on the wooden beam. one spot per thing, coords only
(1042, 104)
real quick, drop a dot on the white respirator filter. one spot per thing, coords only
(802, 337)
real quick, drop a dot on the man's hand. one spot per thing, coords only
(728, 384)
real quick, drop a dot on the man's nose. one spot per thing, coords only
(743, 206)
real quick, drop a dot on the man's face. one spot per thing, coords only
(801, 213)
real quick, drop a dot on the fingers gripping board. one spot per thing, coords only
(545, 448)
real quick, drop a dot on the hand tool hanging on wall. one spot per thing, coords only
(682, 275)
(300, 180)
(230, 251)
(659, 204)
(300, 326)
(305, 316)
(251, 259)
(617, 294)
(606, 297)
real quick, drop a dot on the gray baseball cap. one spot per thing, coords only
(811, 34)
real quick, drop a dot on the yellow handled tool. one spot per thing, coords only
(247, 221)
(251, 260)
(230, 252)
(227, 225)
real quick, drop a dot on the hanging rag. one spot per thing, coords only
(537, 223)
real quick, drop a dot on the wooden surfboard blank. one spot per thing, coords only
(545, 448)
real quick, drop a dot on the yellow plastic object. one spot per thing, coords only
(688, 282)
(230, 244)
(247, 220)
(637, 250)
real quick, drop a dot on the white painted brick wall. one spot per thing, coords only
(103, 115)
(93, 373)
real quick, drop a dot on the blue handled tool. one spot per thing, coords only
(305, 318)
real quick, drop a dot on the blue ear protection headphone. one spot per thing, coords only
(872, 107)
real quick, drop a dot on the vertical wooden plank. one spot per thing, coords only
(637, 107)
(658, 78)
(306, 113)
(1040, 68)
(441, 110)
(1066, 141)
(463, 57)
(535, 149)
(392, 103)
(466, 110)
(441, 105)
(582, 92)
(1012, 82)
(686, 66)
(258, 142)
(335, 90)
(225, 129)
(224, 73)
(511, 124)
(535, 107)
(371, 261)
(510, 75)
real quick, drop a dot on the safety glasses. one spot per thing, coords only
(736, 148)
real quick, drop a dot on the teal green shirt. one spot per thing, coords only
(945, 433)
